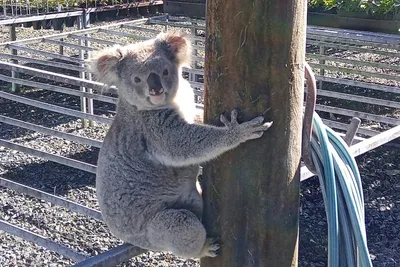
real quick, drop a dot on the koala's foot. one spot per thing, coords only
(179, 232)
(210, 248)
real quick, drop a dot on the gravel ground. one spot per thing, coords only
(380, 170)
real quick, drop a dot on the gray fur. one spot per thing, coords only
(149, 162)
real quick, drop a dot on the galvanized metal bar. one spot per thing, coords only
(87, 55)
(361, 99)
(345, 126)
(127, 26)
(356, 40)
(373, 86)
(124, 34)
(56, 77)
(354, 34)
(45, 53)
(355, 62)
(375, 141)
(42, 62)
(52, 132)
(40, 18)
(82, 73)
(322, 62)
(92, 39)
(13, 37)
(112, 257)
(195, 71)
(197, 85)
(352, 48)
(62, 202)
(66, 44)
(359, 114)
(55, 158)
(352, 130)
(41, 241)
(347, 34)
(176, 24)
(65, 34)
(54, 108)
(59, 89)
(354, 71)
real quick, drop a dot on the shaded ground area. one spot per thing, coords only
(380, 172)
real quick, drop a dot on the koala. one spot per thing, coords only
(149, 162)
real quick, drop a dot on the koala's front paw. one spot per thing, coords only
(248, 130)
(210, 248)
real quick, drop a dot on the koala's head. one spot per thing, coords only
(147, 74)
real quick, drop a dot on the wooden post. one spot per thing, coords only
(255, 53)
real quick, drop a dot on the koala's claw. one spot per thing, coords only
(211, 248)
(233, 120)
(252, 129)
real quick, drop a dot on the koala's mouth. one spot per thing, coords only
(157, 96)
(156, 92)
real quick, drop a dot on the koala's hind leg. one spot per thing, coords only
(181, 232)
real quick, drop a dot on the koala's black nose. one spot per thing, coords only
(154, 82)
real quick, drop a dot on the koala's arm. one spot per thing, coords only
(174, 142)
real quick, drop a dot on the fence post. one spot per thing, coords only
(81, 23)
(86, 25)
(13, 36)
(255, 62)
(322, 61)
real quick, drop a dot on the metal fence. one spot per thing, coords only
(358, 76)
(16, 8)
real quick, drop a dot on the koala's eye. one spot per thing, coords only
(165, 72)
(137, 80)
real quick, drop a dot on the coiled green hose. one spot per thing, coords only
(343, 197)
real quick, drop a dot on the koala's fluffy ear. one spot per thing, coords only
(103, 64)
(176, 46)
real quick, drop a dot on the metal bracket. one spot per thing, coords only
(311, 98)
